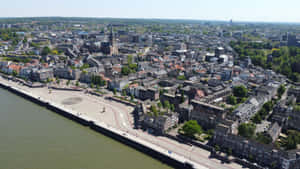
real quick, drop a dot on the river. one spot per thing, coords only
(32, 137)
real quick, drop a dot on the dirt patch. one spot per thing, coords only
(72, 101)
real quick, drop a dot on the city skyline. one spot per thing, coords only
(253, 11)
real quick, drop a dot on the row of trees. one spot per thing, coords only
(263, 112)
(97, 80)
(8, 34)
(285, 60)
(156, 109)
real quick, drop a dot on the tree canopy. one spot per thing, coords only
(191, 128)
(240, 91)
(247, 130)
(46, 51)
(285, 60)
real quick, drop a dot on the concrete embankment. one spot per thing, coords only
(133, 141)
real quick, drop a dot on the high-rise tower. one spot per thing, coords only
(113, 42)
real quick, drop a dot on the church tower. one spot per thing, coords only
(113, 43)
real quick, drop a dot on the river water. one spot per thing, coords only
(32, 137)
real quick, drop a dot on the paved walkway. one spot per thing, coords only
(119, 116)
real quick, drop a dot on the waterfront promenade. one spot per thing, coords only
(118, 119)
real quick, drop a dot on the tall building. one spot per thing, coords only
(113, 42)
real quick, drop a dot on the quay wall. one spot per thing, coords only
(110, 132)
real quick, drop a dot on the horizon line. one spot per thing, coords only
(146, 18)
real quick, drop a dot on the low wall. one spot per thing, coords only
(66, 89)
(121, 101)
(130, 142)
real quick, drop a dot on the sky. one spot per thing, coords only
(238, 10)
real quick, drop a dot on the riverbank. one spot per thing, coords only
(126, 138)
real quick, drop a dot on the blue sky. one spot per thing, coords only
(238, 10)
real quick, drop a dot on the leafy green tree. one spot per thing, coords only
(181, 77)
(115, 91)
(167, 104)
(281, 90)
(257, 118)
(125, 70)
(14, 73)
(131, 97)
(172, 107)
(240, 91)
(153, 109)
(247, 130)
(130, 59)
(133, 67)
(268, 106)
(263, 138)
(159, 105)
(46, 51)
(191, 128)
(231, 100)
(84, 66)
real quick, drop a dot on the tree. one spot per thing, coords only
(231, 100)
(172, 107)
(247, 130)
(84, 66)
(130, 59)
(191, 128)
(257, 118)
(240, 91)
(14, 73)
(167, 104)
(92, 85)
(125, 70)
(46, 50)
(115, 91)
(292, 140)
(25, 40)
(153, 109)
(263, 138)
(159, 105)
(68, 83)
(268, 106)
(281, 90)
(131, 97)
(77, 83)
(181, 77)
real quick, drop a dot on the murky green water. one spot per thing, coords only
(32, 137)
